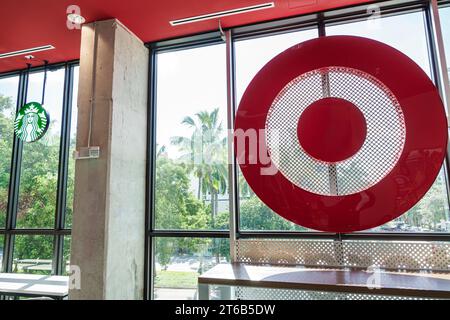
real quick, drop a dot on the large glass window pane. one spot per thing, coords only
(179, 262)
(405, 33)
(72, 147)
(191, 160)
(8, 97)
(39, 173)
(33, 254)
(251, 56)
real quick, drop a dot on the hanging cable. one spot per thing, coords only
(222, 33)
(45, 81)
(27, 77)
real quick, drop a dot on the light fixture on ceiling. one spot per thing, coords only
(26, 51)
(76, 18)
(222, 13)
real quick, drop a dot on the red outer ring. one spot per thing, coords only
(407, 182)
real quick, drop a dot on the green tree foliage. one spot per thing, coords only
(6, 136)
(431, 213)
(255, 215)
(204, 153)
(176, 208)
(37, 195)
(37, 192)
(33, 247)
(38, 181)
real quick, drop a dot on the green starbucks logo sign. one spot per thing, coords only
(31, 122)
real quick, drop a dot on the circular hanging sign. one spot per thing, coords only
(31, 122)
(340, 134)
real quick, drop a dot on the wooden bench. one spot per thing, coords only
(404, 284)
(30, 285)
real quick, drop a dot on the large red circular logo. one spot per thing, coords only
(340, 134)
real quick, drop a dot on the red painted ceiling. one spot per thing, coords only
(32, 23)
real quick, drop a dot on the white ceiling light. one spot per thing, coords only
(222, 13)
(76, 18)
(25, 51)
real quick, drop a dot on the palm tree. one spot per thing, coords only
(160, 151)
(204, 152)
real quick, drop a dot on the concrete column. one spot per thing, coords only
(109, 203)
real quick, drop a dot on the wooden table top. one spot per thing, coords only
(34, 285)
(435, 285)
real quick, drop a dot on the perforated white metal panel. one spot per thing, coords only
(247, 293)
(433, 256)
(378, 155)
(398, 255)
(289, 252)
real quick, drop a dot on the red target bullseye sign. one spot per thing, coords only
(340, 134)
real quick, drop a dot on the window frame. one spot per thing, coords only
(58, 231)
(318, 21)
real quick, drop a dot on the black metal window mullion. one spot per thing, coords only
(189, 234)
(36, 232)
(150, 177)
(61, 197)
(432, 49)
(321, 28)
(322, 32)
(235, 166)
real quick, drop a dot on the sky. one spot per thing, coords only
(188, 82)
(8, 87)
(445, 25)
(403, 32)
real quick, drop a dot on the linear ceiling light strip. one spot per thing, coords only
(25, 51)
(223, 13)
